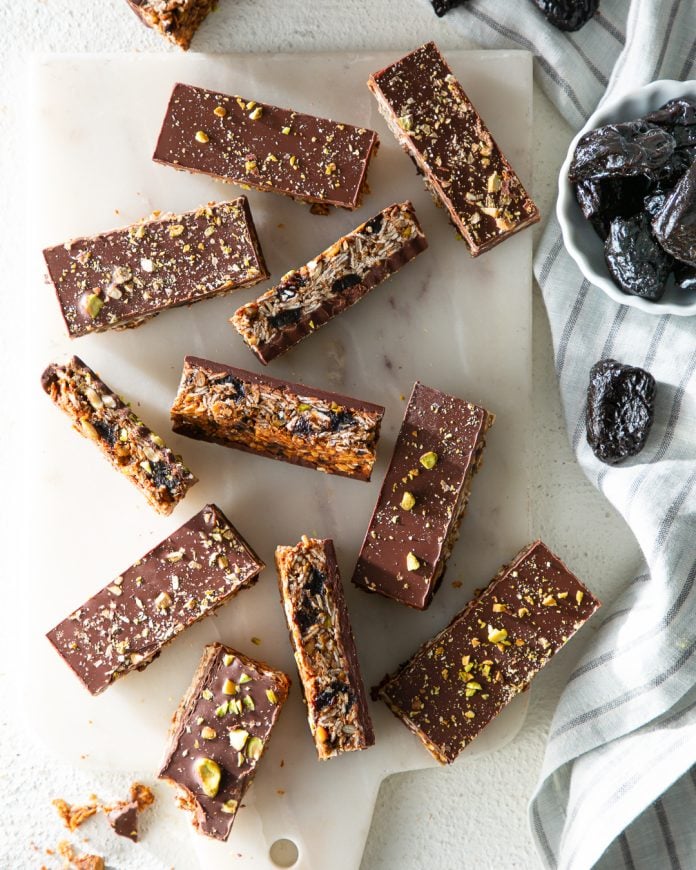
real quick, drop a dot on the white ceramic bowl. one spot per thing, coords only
(581, 241)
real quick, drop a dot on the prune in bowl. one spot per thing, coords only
(668, 105)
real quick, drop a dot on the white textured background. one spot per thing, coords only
(469, 816)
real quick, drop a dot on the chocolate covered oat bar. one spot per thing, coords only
(434, 121)
(308, 297)
(219, 734)
(416, 520)
(129, 445)
(461, 679)
(176, 20)
(322, 639)
(123, 278)
(278, 419)
(124, 627)
(246, 142)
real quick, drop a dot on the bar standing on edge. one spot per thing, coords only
(322, 640)
(175, 20)
(416, 520)
(130, 446)
(219, 733)
(277, 419)
(243, 141)
(435, 123)
(461, 679)
(122, 278)
(124, 627)
(308, 297)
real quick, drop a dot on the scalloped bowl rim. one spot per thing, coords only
(578, 233)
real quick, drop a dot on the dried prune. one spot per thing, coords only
(602, 199)
(676, 113)
(302, 427)
(341, 284)
(288, 288)
(620, 410)
(375, 224)
(306, 615)
(636, 262)
(340, 419)
(675, 223)
(237, 386)
(653, 203)
(284, 318)
(162, 475)
(108, 433)
(443, 6)
(632, 148)
(315, 581)
(327, 697)
(568, 14)
(684, 276)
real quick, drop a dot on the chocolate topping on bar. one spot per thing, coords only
(461, 679)
(268, 148)
(122, 278)
(433, 119)
(423, 497)
(124, 627)
(220, 731)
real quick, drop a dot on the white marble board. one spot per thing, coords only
(459, 324)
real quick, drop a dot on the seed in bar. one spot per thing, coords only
(219, 734)
(461, 679)
(133, 449)
(277, 419)
(340, 276)
(322, 640)
(124, 627)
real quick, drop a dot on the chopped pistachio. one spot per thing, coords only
(250, 166)
(208, 733)
(412, 562)
(227, 660)
(256, 114)
(429, 460)
(235, 706)
(579, 595)
(209, 775)
(92, 304)
(254, 748)
(202, 136)
(238, 738)
(245, 678)
(230, 806)
(163, 601)
(285, 131)
(407, 500)
(207, 694)
(222, 709)
(549, 601)
(248, 702)
(228, 688)
(176, 230)
(470, 714)
(220, 111)
(496, 635)
(271, 695)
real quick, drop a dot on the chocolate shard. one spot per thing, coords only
(308, 297)
(123, 818)
(120, 279)
(131, 447)
(434, 121)
(276, 418)
(416, 520)
(322, 639)
(175, 20)
(125, 626)
(456, 683)
(265, 147)
(219, 733)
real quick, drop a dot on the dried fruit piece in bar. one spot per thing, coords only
(219, 733)
(456, 683)
(176, 20)
(104, 418)
(120, 279)
(322, 640)
(567, 14)
(675, 224)
(620, 410)
(124, 627)
(416, 520)
(251, 143)
(636, 262)
(463, 167)
(308, 297)
(277, 419)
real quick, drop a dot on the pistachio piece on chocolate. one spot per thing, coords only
(429, 460)
(412, 562)
(254, 748)
(238, 738)
(407, 501)
(209, 775)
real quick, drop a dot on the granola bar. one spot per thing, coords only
(416, 520)
(322, 640)
(122, 278)
(438, 127)
(124, 627)
(340, 276)
(102, 416)
(461, 679)
(278, 419)
(176, 20)
(265, 147)
(219, 733)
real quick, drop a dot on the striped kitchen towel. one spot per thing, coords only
(618, 785)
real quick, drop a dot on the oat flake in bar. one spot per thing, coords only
(461, 679)
(322, 640)
(133, 449)
(219, 734)
(436, 124)
(262, 146)
(340, 276)
(176, 20)
(415, 523)
(124, 627)
(122, 278)
(278, 419)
